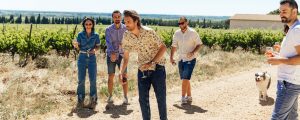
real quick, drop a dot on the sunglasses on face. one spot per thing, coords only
(88, 24)
(180, 23)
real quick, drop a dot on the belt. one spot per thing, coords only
(157, 67)
(85, 52)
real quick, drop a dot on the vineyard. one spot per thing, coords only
(37, 40)
(30, 93)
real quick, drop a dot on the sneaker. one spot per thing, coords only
(125, 100)
(183, 100)
(109, 99)
(189, 98)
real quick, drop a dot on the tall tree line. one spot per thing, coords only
(200, 23)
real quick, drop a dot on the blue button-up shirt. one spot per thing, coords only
(88, 43)
(113, 37)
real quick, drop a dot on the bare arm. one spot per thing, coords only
(125, 62)
(196, 49)
(191, 54)
(293, 60)
(173, 50)
(288, 61)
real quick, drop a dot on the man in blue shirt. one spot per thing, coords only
(113, 36)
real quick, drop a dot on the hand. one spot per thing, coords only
(123, 78)
(275, 61)
(191, 54)
(172, 61)
(75, 44)
(113, 57)
(146, 66)
(93, 51)
(276, 47)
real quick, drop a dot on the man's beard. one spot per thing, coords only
(129, 28)
(285, 20)
(117, 22)
(183, 28)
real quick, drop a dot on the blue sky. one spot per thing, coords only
(178, 7)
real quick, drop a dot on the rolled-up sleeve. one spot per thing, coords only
(296, 36)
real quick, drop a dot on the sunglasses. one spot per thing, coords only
(88, 24)
(181, 23)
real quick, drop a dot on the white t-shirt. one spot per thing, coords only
(290, 73)
(185, 43)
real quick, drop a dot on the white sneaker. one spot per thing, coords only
(109, 99)
(189, 98)
(125, 100)
(183, 100)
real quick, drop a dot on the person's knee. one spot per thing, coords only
(111, 75)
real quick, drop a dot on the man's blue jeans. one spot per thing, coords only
(158, 80)
(85, 62)
(286, 101)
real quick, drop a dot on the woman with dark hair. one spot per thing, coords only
(87, 43)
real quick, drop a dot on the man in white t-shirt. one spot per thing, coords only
(187, 42)
(288, 86)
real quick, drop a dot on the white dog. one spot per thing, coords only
(263, 81)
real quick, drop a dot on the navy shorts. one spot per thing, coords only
(111, 66)
(186, 69)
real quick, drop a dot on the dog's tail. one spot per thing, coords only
(269, 83)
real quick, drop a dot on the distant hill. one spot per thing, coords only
(94, 14)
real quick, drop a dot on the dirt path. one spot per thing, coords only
(233, 97)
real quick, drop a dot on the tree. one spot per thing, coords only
(11, 19)
(26, 20)
(38, 19)
(19, 19)
(45, 20)
(32, 19)
(62, 21)
(2, 19)
(274, 12)
(204, 23)
(53, 20)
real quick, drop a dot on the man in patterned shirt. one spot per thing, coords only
(150, 49)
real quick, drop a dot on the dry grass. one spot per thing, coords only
(30, 91)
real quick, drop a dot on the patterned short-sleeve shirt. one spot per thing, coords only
(147, 45)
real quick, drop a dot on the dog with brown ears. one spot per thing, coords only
(263, 81)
